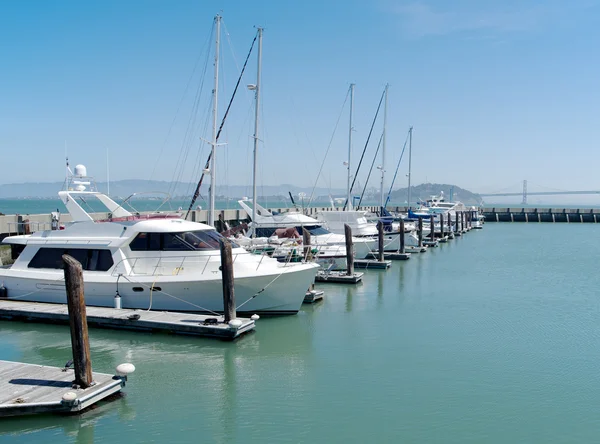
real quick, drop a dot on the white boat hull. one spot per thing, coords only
(275, 294)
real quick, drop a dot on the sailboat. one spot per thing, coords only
(158, 261)
(281, 235)
(357, 219)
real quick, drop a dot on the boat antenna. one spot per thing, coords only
(197, 191)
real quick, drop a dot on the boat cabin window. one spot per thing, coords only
(90, 259)
(186, 241)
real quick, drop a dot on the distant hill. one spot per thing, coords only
(426, 190)
(124, 188)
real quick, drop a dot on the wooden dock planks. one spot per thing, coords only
(106, 317)
(29, 388)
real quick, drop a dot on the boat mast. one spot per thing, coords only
(256, 112)
(383, 145)
(349, 197)
(409, 162)
(211, 210)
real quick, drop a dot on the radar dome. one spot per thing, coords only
(80, 171)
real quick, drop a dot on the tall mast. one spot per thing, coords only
(409, 162)
(213, 163)
(383, 145)
(256, 112)
(107, 175)
(349, 197)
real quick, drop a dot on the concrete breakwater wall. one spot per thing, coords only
(568, 215)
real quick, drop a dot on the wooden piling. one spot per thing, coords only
(380, 246)
(441, 226)
(420, 232)
(456, 222)
(80, 343)
(349, 250)
(228, 284)
(402, 246)
(306, 243)
(431, 228)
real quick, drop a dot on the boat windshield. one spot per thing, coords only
(313, 229)
(184, 241)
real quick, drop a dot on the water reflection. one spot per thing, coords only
(215, 374)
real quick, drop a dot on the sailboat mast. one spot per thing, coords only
(349, 197)
(213, 159)
(382, 201)
(409, 162)
(107, 175)
(256, 113)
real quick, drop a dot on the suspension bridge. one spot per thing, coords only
(524, 193)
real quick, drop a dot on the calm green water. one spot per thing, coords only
(491, 338)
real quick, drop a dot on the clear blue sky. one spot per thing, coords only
(496, 91)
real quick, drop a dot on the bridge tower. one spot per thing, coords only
(524, 202)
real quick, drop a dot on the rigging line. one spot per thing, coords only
(370, 170)
(197, 164)
(366, 145)
(62, 278)
(286, 264)
(180, 166)
(197, 192)
(397, 167)
(237, 66)
(329, 146)
(170, 295)
(181, 102)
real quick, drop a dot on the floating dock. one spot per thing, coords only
(391, 256)
(313, 296)
(339, 277)
(422, 249)
(429, 243)
(127, 319)
(372, 264)
(27, 389)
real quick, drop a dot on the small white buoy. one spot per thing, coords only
(69, 397)
(255, 317)
(235, 323)
(117, 301)
(125, 368)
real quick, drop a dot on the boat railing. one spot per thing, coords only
(176, 265)
(27, 227)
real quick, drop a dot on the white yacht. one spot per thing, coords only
(363, 229)
(157, 261)
(330, 247)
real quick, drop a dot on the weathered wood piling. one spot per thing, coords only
(402, 240)
(229, 311)
(349, 250)
(380, 247)
(80, 344)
